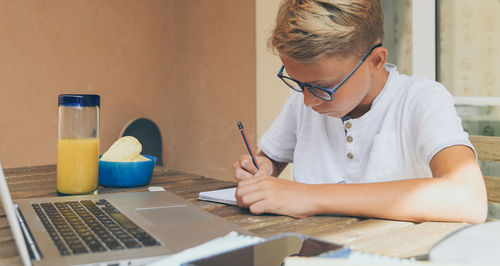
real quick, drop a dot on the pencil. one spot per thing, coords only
(240, 126)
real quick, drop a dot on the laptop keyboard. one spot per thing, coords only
(79, 227)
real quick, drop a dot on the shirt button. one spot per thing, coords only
(348, 139)
(348, 125)
(350, 155)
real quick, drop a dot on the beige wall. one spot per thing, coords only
(188, 65)
(272, 93)
(214, 85)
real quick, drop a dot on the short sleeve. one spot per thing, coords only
(279, 141)
(434, 120)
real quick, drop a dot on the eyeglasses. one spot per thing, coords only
(322, 93)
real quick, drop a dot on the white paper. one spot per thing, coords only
(218, 245)
(221, 195)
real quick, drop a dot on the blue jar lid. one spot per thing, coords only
(79, 100)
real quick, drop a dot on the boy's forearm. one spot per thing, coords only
(435, 199)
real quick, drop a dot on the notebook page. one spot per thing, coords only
(221, 195)
(218, 245)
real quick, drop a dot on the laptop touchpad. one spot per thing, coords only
(170, 215)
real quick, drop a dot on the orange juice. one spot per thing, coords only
(77, 165)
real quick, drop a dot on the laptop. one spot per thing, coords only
(132, 228)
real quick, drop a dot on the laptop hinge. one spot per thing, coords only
(35, 253)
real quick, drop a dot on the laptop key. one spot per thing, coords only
(64, 252)
(124, 221)
(151, 242)
(60, 246)
(74, 241)
(132, 244)
(81, 250)
(123, 236)
(97, 248)
(114, 245)
(93, 241)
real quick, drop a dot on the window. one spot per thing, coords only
(456, 42)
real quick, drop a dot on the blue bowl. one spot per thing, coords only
(126, 174)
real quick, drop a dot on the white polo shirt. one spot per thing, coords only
(411, 120)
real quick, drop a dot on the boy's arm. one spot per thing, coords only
(456, 193)
(277, 166)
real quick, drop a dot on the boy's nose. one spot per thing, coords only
(310, 99)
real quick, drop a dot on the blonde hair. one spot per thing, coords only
(308, 30)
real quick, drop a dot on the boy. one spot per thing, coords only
(364, 139)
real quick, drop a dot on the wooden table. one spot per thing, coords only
(385, 237)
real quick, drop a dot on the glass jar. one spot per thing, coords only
(78, 144)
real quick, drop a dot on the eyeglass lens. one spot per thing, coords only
(300, 88)
(292, 84)
(319, 93)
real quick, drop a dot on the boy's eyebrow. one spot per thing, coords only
(334, 79)
(315, 81)
(329, 80)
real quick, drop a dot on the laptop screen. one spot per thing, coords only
(8, 207)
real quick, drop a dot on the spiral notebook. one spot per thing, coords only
(225, 196)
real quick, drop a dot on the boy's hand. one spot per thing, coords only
(244, 168)
(266, 194)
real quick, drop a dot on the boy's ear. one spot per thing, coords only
(378, 59)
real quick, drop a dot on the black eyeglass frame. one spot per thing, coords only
(313, 88)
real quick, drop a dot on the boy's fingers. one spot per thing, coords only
(248, 195)
(265, 169)
(249, 166)
(244, 168)
(247, 186)
(241, 174)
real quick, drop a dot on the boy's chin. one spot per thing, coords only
(335, 114)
